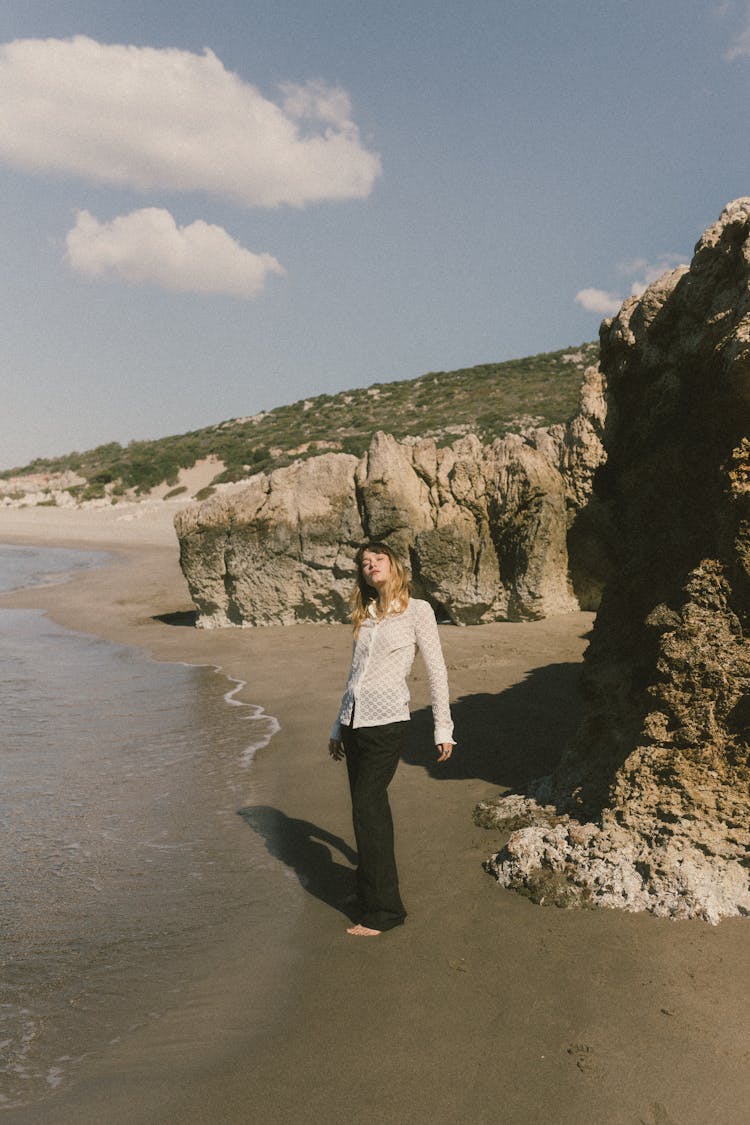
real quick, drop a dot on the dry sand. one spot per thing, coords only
(483, 1008)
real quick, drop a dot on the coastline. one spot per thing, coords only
(483, 1008)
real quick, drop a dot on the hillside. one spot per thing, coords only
(489, 400)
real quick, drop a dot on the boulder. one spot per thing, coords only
(652, 800)
(454, 562)
(394, 498)
(530, 521)
(277, 550)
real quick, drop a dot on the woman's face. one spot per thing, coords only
(376, 568)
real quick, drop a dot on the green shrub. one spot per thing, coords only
(486, 399)
(93, 492)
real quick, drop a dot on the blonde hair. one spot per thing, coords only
(395, 595)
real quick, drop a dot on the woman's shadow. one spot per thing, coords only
(506, 738)
(306, 850)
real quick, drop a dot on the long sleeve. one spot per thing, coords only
(344, 713)
(428, 640)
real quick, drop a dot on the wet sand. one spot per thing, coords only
(483, 1008)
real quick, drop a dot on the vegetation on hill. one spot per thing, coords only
(490, 400)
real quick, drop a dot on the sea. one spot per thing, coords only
(120, 782)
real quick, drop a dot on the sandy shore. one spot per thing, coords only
(483, 1008)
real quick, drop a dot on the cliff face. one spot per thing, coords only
(485, 527)
(650, 808)
(277, 550)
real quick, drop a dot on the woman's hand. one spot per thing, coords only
(444, 749)
(336, 749)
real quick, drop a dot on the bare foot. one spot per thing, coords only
(362, 931)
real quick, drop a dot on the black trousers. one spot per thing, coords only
(372, 755)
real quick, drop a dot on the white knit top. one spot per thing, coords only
(382, 658)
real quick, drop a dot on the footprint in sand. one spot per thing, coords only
(657, 1116)
(583, 1054)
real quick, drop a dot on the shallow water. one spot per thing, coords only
(33, 566)
(120, 781)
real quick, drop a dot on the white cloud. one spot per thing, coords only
(317, 102)
(640, 272)
(170, 119)
(598, 301)
(740, 48)
(147, 247)
(633, 266)
(643, 273)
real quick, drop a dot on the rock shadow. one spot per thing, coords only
(509, 738)
(306, 849)
(184, 617)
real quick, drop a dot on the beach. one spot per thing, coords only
(483, 1008)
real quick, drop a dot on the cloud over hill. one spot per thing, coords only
(148, 247)
(169, 119)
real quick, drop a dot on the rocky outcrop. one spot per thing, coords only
(27, 489)
(433, 506)
(485, 527)
(650, 807)
(277, 550)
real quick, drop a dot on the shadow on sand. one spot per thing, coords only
(509, 738)
(306, 850)
(185, 617)
(506, 739)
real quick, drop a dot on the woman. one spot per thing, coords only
(371, 727)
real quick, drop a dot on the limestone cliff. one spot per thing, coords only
(277, 550)
(650, 808)
(485, 527)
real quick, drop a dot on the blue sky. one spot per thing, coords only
(210, 210)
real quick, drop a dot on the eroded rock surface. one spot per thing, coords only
(277, 550)
(485, 527)
(650, 808)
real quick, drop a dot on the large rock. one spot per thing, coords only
(531, 530)
(277, 550)
(393, 494)
(485, 528)
(435, 512)
(650, 808)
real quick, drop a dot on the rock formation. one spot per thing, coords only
(650, 807)
(485, 527)
(277, 550)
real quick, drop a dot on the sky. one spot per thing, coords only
(209, 210)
